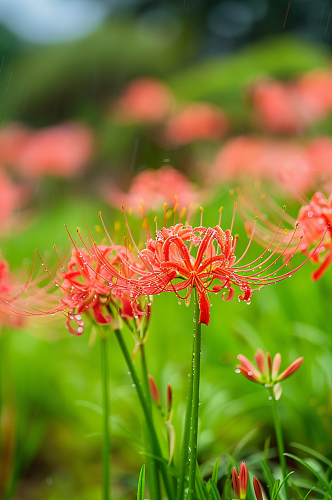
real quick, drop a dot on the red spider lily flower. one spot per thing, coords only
(197, 121)
(144, 100)
(240, 481)
(314, 218)
(267, 371)
(88, 289)
(182, 257)
(62, 150)
(7, 288)
(257, 489)
(154, 187)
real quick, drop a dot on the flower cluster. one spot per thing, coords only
(106, 281)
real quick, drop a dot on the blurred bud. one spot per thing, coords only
(257, 489)
(169, 398)
(154, 390)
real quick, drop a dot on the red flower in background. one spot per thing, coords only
(61, 150)
(154, 187)
(144, 100)
(314, 218)
(12, 197)
(196, 121)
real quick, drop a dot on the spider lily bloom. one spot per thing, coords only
(144, 100)
(240, 481)
(182, 257)
(197, 121)
(314, 218)
(267, 371)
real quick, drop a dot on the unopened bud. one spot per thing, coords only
(169, 398)
(257, 489)
(154, 391)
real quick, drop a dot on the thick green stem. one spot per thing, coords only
(195, 402)
(186, 433)
(153, 476)
(280, 439)
(145, 408)
(104, 365)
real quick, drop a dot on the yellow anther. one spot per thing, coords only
(164, 207)
(235, 204)
(285, 208)
(263, 196)
(99, 213)
(183, 212)
(231, 192)
(220, 209)
(98, 229)
(141, 201)
(176, 197)
(201, 209)
(169, 213)
(256, 217)
(191, 205)
(117, 226)
(140, 209)
(175, 207)
(130, 210)
(286, 231)
(145, 223)
(155, 219)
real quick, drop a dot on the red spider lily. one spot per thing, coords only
(87, 287)
(182, 257)
(314, 218)
(257, 489)
(267, 371)
(240, 481)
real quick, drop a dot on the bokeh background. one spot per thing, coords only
(230, 94)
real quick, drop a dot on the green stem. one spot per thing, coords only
(280, 439)
(104, 365)
(195, 402)
(145, 408)
(153, 477)
(186, 433)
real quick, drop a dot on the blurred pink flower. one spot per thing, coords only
(194, 122)
(280, 108)
(61, 150)
(11, 198)
(281, 162)
(7, 288)
(154, 187)
(144, 100)
(13, 138)
(315, 91)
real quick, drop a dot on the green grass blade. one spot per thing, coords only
(305, 498)
(214, 493)
(312, 452)
(141, 484)
(268, 475)
(322, 481)
(201, 491)
(215, 472)
(280, 485)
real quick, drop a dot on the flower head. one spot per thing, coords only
(197, 121)
(240, 481)
(267, 371)
(144, 100)
(314, 218)
(257, 489)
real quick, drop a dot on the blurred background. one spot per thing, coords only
(104, 103)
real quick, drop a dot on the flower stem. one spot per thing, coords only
(280, 439)
(104, 365)
(195, 402)
(186, 434)
(153, 465)
(145, 408)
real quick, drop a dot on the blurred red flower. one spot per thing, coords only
(154, 187)
(144, 100)
(314, 218)
(196, 121)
